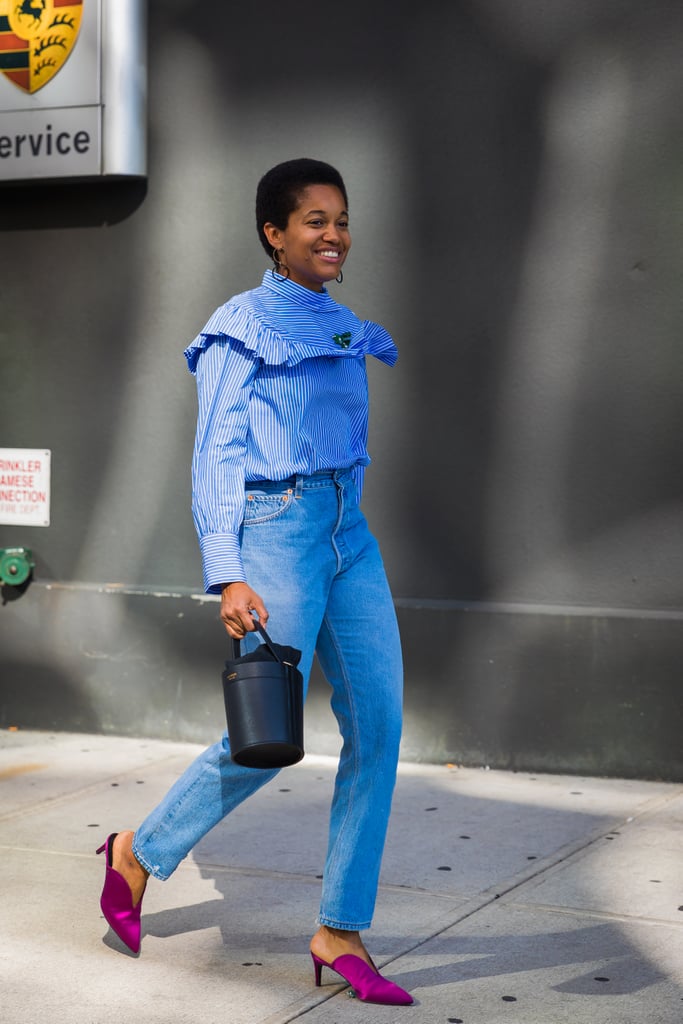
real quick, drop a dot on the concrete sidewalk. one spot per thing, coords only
(505, 897)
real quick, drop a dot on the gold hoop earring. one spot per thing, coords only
(278, 267)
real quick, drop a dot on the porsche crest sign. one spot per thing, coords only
(72, 89)
(36, 38)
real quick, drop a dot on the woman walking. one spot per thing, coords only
(278, 468)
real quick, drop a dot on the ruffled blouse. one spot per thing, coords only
(282, 390)
(282, 322)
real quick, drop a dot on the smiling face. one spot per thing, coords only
(316, 240)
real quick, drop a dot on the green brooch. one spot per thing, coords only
(343, 340)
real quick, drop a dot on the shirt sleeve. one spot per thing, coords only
(225, 375)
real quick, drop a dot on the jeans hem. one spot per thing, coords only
(344, 926)
(155, 872)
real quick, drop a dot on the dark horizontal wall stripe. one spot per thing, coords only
(485, 689)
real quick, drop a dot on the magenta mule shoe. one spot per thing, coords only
(116, 902)
(368, 986)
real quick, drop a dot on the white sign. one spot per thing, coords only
(52, 143)
(73, 77)
(25, 486)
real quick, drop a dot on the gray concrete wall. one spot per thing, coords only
(515, 182)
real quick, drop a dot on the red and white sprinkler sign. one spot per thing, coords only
(24, 487)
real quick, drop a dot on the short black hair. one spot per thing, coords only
(280, 188)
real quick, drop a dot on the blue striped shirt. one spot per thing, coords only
(282, 389)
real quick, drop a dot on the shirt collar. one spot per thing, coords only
(282, 286)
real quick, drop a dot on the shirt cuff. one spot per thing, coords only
(221, 560)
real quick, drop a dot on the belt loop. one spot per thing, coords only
(299, 486)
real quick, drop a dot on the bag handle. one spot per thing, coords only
(266, 639)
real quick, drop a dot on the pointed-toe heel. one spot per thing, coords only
(116, 902)
(369, 986)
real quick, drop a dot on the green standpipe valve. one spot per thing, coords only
(16, 565)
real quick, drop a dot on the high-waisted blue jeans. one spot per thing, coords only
(309, 553)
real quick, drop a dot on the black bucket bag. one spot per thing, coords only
(264, 704)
